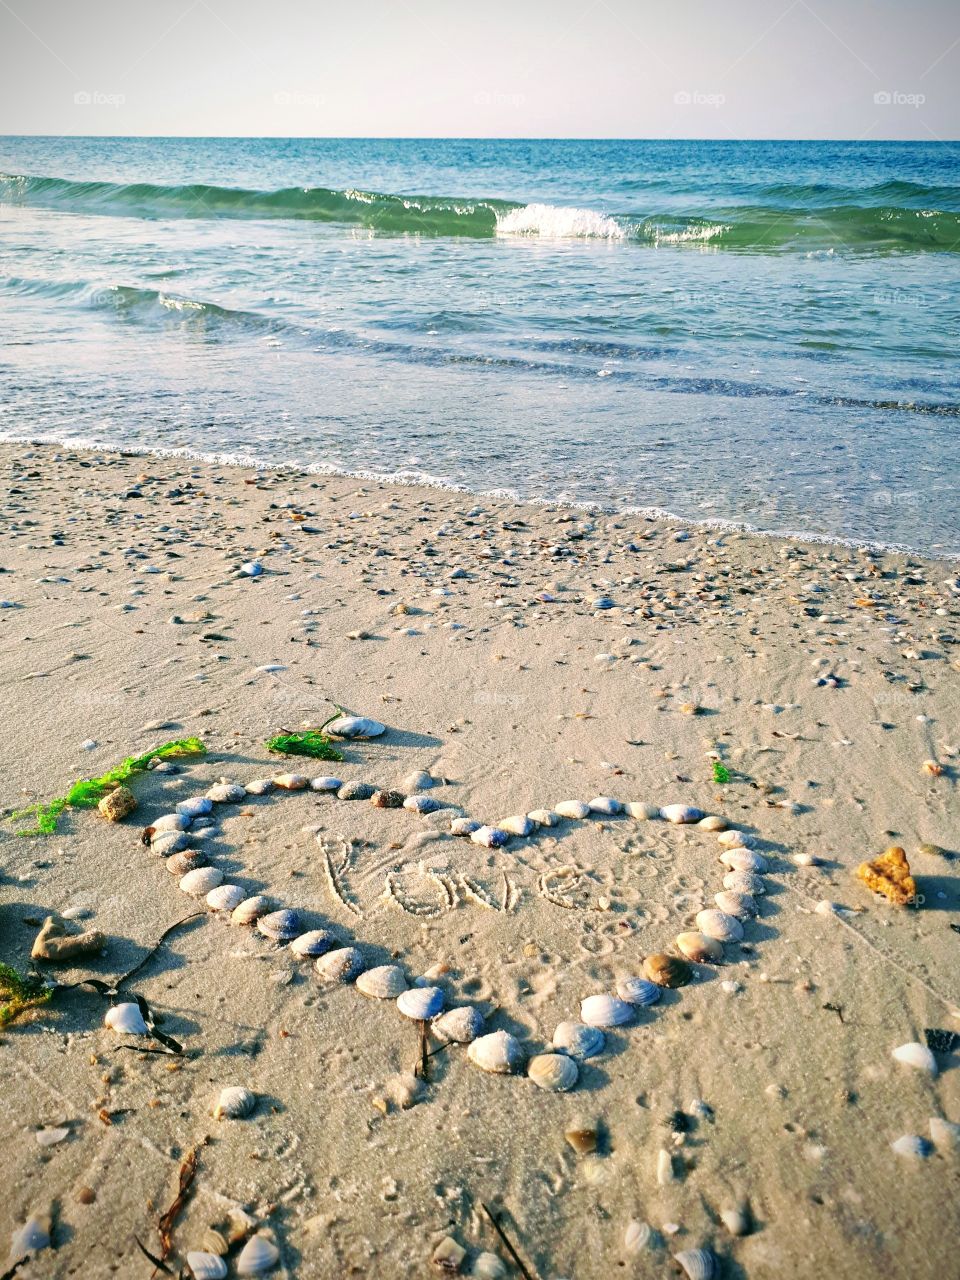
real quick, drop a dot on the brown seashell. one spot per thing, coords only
(667, 971)
(699, 948)
(388, 799)
(890, 875)
(116, 804)
(583, 1139)
(188, 860)
(933, 768)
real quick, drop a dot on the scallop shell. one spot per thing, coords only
(387, 799)
(314, 943)
(233, 1103)
(164, 843)
(463, 826)
(259, 787)
(740, 905)
(917, 1056)
(605, 1011)
(227, 793)
(681, 813)
(743, 860)
(169, 822)
(355, 791)
(638, 991)
(745, 882)
(698, 1264)
(355, 727)
(578, 1040)
(290, 781)
(572, 809)
(195, 807)
(258, 1255)
(250, 910)
(734, 839)
(423, 804)
(420, 1003)
(913, 1146)
(490, 837)
(717, 924)
(543, 817)
(180, 863)
(666, 970)
(713, 822)
(206, 1266)
(554, 1072)
(637, 1236)
(385, 982)
(200, 881)
(126, 1019)
(225, 897)
(699, 948)
(280, 926)
(498, 1052)
(340, 965)
(518, 825)
(604, 805)
(641, 810)
(458, 1026)
(326, 784)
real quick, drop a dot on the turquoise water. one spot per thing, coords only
(763, 333)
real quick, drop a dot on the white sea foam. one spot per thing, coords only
(559, 222)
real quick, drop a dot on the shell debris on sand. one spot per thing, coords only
(234, 1103)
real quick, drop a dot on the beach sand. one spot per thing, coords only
(821, 677)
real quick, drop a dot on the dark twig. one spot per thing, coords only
(159, 943)
(423, 1069)
(835, 1008)
(12, 1271)
(527, 1275)
(161, 1266)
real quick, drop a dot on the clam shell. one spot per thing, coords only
(518, 825)
(743, 860)
(717, 924)
(423, 804)
(605, 805)
(420, 1003)
(259, 787)
(164, 843)
(543, 817)
(490, 837)
(419, 780)
(387, 799)
(487, 1266)
(355, 791)
(681, 813)
(917, 1056)
(699, 948)
(458, 1026)
(340, 965)
(641, 810)
(698, 1264)
(554, 1072)
(734, 839)
(126, 1019)
(314, 943)
(582, 1138)
(233, 1103)
(912, 1145)
(605, 1011)
(200, 881)
(33, 1236)
(169, 822)
(637, 1236)
(578, 1040)
(180, 863)
(464, 826)
(713, 822)
(290, 781)
(326, 784)
(206, 1266)
(227, 793)
(355, 727)
(195, 807)
(250, 910)
(498, 1052)
(280, 926)
(572, 809)
(745, 882)
(740, 905)
(257, 1256)
(666, 970)
(638, 991)
(385, 982)
(225, 897)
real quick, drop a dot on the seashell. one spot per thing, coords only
(387, 799)
(666, 1174)
(326, 784)
(945, 1134)
(543, 817)
(604, 805)
(420, 1003)
(225, 897)
(385, 982)
(917, 1056)
(355, 727)
(164, 843)
(487, 1266)
(638, 991)
(117, 804)
(200, 881)
(448, 1256)
(195, 807)
(234, 1103)
(640, 809)
(463, 826)
(423, 804)
(666, 970)
(637, 1236)
(188, 860)
(168, 822)
(554, 1072)
(805, 860)
(719, 925)
(734, 839)
(913, 1146)
(340, 965)
(582, 1138)
(206, 1266)
(744, 882)
(699, 948)
(736, 1220)
(250, 910)
(33, 1236)
(698, 1264)
(259, 787)
(355, 791)
(291, 781)
(740, 905)
(126, 1019)
(458, 1026)
(315, 943)
(280, 926)
(258, 1255)
(572, 809)
(250, 569)
(519, 825)
(227, 793)
(743, 860)
(490, 837)
(578, 1040)
(498, 1052)
(713, 822)
(419, 780)
(681, 813)
(605, 1011)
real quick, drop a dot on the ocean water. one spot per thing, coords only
(761, 333)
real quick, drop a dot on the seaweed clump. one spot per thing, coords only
(311, 742)
(18, 994)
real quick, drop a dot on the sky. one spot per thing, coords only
(863, 69)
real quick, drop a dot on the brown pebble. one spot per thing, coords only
(86, 1195)
(667, 971)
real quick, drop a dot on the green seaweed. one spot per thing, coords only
(18, 994)
(311, 742)
(88, 792)
(720, 772)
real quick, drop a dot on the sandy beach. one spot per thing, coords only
(522, 656)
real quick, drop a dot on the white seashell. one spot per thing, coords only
(280, 926)
(740, 905)
(206, 1266)
(698, 1264)
(126, 1020)
(680, 813)
(713, 822)
(519, 825)
(699, 948)
(342, 964)
(579, 1040)
(826, 908)
(199, 882)
(717, 924)
(490, 837)
(498, 1052)
(170, 822)
(554, 1072)
(225, 897)
(291, 781)
(665, 1170)
(637, 1236)
(227, 793)
(50, 1137)
(423, 804)
(638, 991)
(420, 1003)
(257, 1256)
(464, 826)
(250, 569)
(165, 843)
(913, 1146)
(314, 943)
(572, 809)
(543, 817)
(250, 910)
(945, 1134)
(259, 787)
(605, 1011)
(355, 727)
(487, 1266)
(805, 860)
(736, 1220)
(195, 807)
(605, 805)
(917, 1056)
(640, 809)
(744, 882)
(419, 780)
(233, 1103)
(326, 784)
(743, 860)
(385, 982)
(734, 839)
(459, 1025)
(33, 1236)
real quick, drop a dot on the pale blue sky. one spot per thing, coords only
(493, 68)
